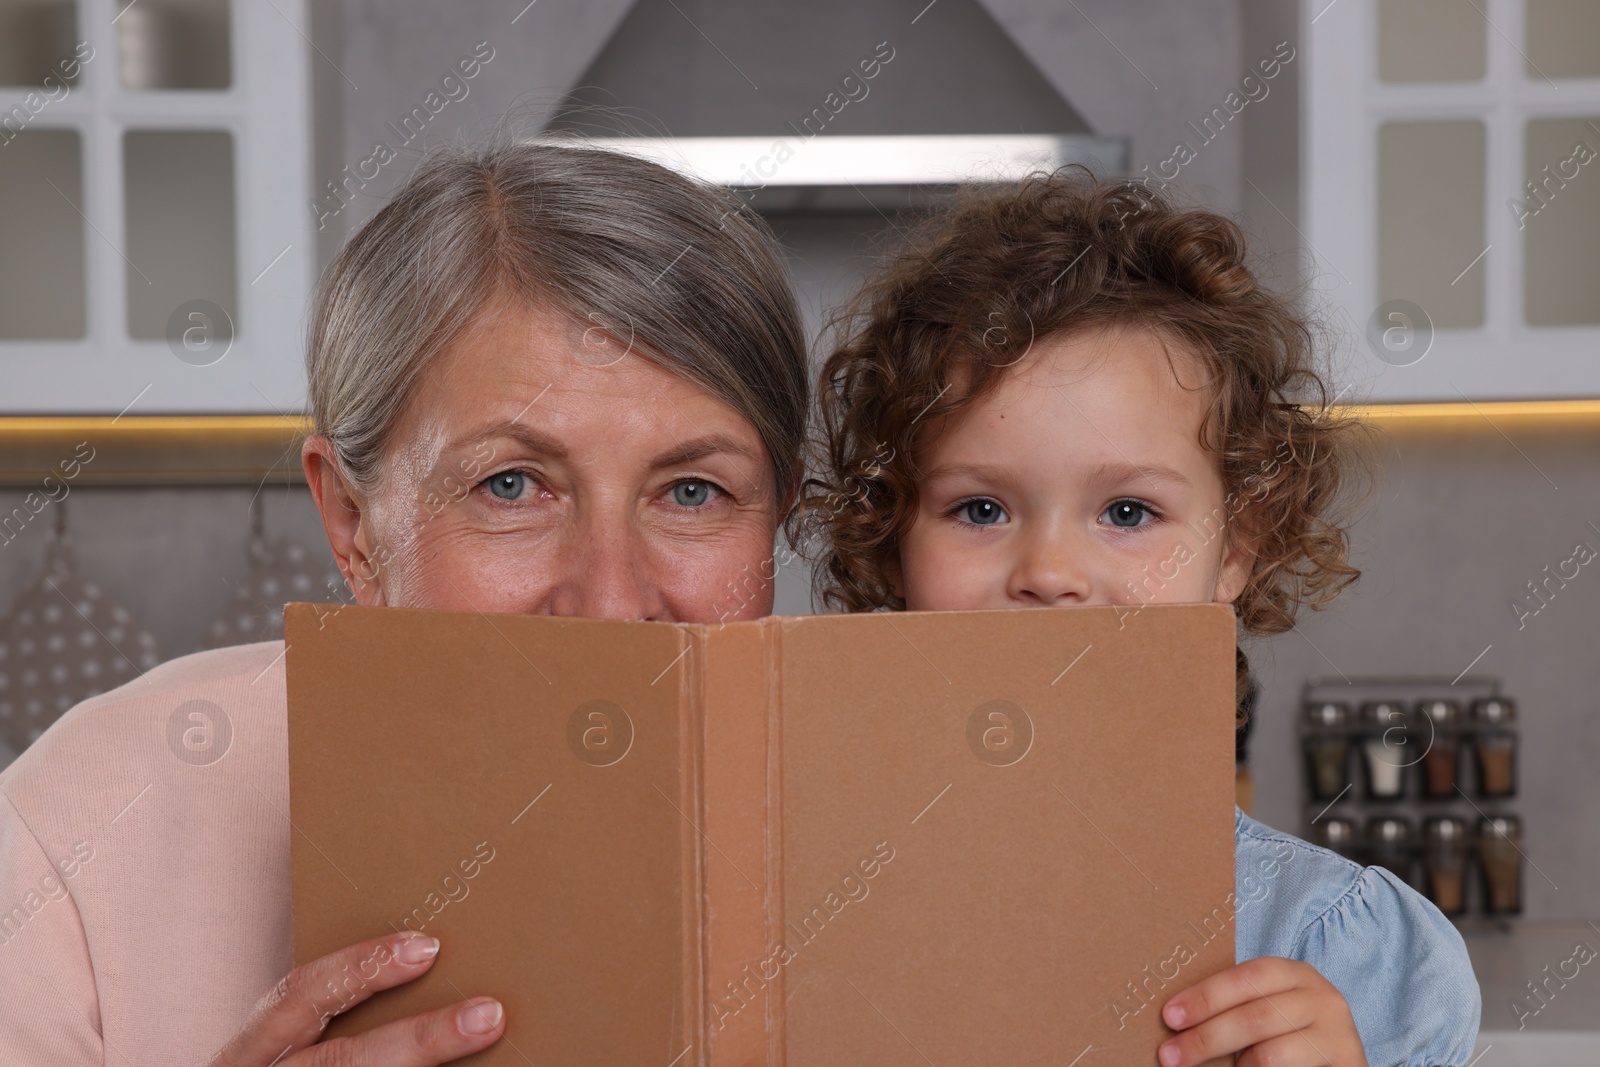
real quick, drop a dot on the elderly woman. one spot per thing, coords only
(544, 380)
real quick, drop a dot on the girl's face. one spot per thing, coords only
(1080, 479)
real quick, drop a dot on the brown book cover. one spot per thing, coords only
(908, 839)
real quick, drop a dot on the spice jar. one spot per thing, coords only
(1441, 758)
(1389, 844)
(1444, 863)
(1338, 834)
(1495, 743)
(1385, 749)
(1326, 740)
(1500, 860)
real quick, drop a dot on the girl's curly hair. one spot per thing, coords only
(976, 286)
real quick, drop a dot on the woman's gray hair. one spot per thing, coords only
(659, 261)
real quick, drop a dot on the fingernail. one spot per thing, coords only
(1174, 1015)
(1170, 1055)
(417, 949)
(479, 1017)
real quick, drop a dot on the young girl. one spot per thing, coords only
(1074, 392)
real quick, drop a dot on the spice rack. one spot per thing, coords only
(1415, 774)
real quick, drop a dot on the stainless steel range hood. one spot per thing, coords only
(840, 105)
(856, 173)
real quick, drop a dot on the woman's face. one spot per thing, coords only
(543, 468)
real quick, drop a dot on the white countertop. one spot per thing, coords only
(1561, 1031)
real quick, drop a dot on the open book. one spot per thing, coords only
(903, 840)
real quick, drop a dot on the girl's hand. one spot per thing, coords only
(1271, 1011)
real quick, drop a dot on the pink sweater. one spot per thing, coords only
(144, 867)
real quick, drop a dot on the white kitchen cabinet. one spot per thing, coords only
(1451, 183)
(156, 239)
(1541, 1004)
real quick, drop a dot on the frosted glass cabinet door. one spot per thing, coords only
(1450, 173)
(178, 186)
(156, 234)
(1431, 41)
(1430, 218)
(1560, 221)
(1563, 39)
(176, 44)
(35, 36)
(41, 236)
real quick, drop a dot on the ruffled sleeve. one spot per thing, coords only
(1402, 967)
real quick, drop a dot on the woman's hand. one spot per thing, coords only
(285, 1028)
(1270, 1011)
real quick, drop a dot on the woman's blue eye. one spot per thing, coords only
(982, 512)
(691, 493)
(507, 485)
(1128, 514)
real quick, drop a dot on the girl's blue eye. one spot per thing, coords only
(1128, 514)
(982, 512)
(507, 485)
(691, 493)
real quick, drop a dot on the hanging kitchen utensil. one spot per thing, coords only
(280, 571)
(63, 642)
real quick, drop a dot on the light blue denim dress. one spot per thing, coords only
(1398, 961)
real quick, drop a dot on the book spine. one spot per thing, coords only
(696, 887)
(777, 928)
(743, 976)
